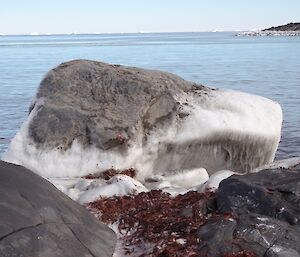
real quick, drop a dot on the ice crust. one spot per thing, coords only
(247, 126)
(230, 122)
(88, 190)
(213, 182)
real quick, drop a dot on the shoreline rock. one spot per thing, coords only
(37, 220)
(290, 29)
(90, 116)
(249, 215)
(292, 26)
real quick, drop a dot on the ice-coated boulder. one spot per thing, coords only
(37, 220)
(90, 116)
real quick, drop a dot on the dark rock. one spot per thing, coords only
(267, 236)
(265, 213)
(38, 220)
(288, 27)
(273, 193)
(249, 235)
(216, 237)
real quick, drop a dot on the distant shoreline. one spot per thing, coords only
(263, 33)
(117, 33)
(290, 29)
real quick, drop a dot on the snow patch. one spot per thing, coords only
(88, 190)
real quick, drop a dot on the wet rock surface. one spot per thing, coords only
(249, 215)
(38, 220)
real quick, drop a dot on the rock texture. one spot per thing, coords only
(253, 215)
(90, 115)
(265, 208)
(102, 104)
(37, 220)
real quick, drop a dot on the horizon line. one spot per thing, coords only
(111, 33)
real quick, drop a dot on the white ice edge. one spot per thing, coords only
(227, 113)
(279, 164)
(88, 190)
(240, 116)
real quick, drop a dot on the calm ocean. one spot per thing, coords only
(267, 66)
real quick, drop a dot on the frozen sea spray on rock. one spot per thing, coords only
(91, 116)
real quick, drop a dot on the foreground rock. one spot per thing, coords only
(266, 211)
(38, 220)
(271, 193)
(90, 116)
(249, 215)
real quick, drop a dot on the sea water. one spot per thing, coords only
(267, 66)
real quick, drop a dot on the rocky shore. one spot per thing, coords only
(290, 29)
(173, 167)
(250, 215)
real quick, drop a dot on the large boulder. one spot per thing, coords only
(90, 116)
(37, 220)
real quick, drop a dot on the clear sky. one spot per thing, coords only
(88, 16)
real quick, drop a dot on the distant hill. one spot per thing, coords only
(288, 27)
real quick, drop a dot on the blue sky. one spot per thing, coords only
(84, 16)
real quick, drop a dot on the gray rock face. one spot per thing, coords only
(37, 220)
(251, 233)
(102, 104)
(90, 116)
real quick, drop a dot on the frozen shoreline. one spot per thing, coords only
(261, 33)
